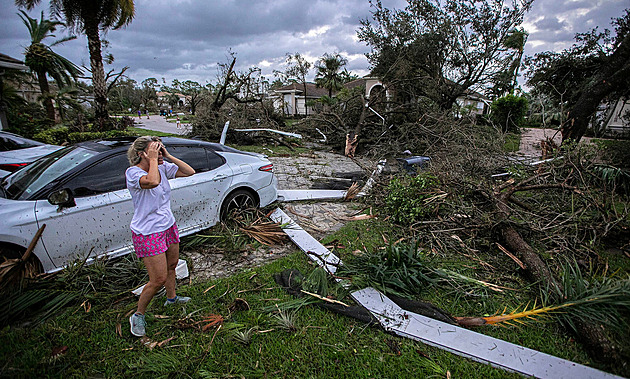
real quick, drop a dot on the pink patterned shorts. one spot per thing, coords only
(156, 243)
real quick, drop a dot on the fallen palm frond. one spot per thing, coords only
(597, 301)
(13, 271)
(46, 295)
(403, 270)
(352, 192)
(268, 233)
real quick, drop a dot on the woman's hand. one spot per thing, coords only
(165, 153)
(152, 151)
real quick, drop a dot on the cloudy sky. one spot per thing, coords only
(185, 39)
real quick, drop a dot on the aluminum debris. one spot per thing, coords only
(368, 185)
(464, 342)
(224, 132)
(315, 250)
(457, 340)
(298, 195)
(288, 134)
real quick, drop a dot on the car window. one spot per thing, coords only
(32, 178)
(214, 159)
(104, 176)
(193, 155)
(14, 143)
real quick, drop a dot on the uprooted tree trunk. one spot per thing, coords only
(592, 335)
(352, 138)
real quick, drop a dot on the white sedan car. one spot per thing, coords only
(79, 192)
(17, 152)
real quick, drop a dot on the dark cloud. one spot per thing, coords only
(185, 39)
(550, 23)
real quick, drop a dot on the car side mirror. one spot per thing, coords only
(62, 198)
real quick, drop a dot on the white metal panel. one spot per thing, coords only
(298, 195)
(315, 250)
(470, 344)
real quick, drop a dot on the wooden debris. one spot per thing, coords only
(512, 256)
(352, 192)
(14, 270)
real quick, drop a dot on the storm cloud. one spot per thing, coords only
(185, 39)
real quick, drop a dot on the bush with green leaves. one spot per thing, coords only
(509, 112)
(60, 135)
(407, 200)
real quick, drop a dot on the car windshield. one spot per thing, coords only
(13, 142)
(34, 177)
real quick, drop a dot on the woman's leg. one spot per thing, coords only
(172, 256)
(158, 274)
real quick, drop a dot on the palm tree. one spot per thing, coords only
(90, 17)
(43, 61)
(329, 72)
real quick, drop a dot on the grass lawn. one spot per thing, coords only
(512, 142)
(144, 132)
(321, 344)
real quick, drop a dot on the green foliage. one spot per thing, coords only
(615, 152)
(446, 43)
(509, 112)
(596, 299)
(27, 119)
(60, 135)
(407, 198)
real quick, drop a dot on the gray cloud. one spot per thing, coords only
(185, 39)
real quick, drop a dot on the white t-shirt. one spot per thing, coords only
(151, 207)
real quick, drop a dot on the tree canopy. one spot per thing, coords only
(437, 50)
(91, 17)
(43, 61)
(595, 69)
(329, 74)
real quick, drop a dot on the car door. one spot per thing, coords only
(99, 222)
(196, 200)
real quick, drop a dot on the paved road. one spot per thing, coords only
(159, 124)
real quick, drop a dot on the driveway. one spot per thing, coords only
(158, 123)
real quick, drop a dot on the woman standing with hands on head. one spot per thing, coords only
(154, 231)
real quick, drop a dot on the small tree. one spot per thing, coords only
(43, 61)
(509, 112)
(329, 74)
(297, 69)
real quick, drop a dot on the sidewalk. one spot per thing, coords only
(158, 123)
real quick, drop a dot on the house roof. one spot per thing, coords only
(8, 62)
(311, 89)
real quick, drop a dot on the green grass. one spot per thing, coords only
(512, 142)
(324, 344)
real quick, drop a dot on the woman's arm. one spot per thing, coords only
(183, 169)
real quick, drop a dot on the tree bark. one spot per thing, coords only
(593, 336)
(98, 73)
(45, 90)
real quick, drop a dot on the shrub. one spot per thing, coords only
(407, 197)
(61, 135)
(509, 112)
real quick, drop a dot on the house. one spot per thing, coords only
(290, 98)
(473, 103)
(8, 63)
(617, 120)
(163, 98)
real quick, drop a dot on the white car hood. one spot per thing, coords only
(27, 155)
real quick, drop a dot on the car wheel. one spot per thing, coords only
(237, 200)
(18, 270)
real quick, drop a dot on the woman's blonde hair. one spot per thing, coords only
(139, 145)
